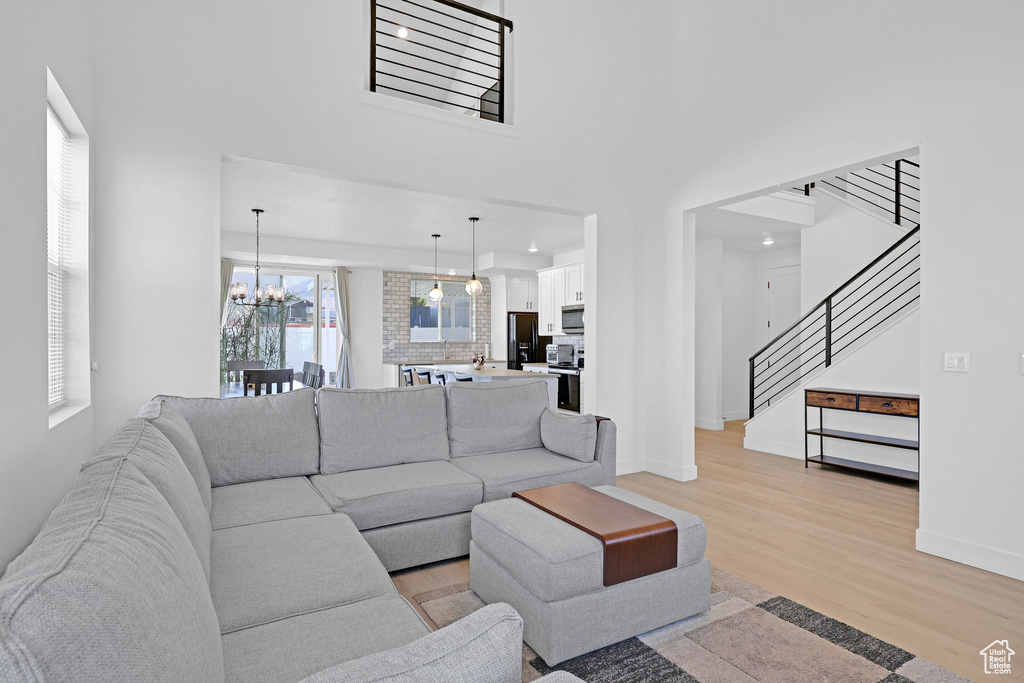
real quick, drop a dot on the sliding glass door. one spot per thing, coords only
(302, 329)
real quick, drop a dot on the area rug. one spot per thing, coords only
(749, 634)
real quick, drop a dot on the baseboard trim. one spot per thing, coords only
(788, 449)
(626, 467)
(703, 423)
(736, 415)
(677, 472)
(972, 554)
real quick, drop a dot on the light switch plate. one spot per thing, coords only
(957, 362)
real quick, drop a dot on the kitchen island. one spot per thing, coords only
(484, 374)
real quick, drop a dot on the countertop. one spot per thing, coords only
(498, 373)
(466, 361)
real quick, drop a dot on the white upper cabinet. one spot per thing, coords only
(522, 295)
(545, 301)
(574, 284)
(558, 298)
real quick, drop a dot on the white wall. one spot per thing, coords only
(739, 282)
(37, 463)
(708, 331)
(842, 241)
(366, 308)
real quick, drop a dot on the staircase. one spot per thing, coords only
(881, 293)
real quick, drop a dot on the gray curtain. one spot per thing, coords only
(344, 375)
(227, 271)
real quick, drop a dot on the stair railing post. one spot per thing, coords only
(752, 388)
(899, 184)
(828, 332)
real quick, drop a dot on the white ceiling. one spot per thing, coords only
(745, 232)
(310, 205)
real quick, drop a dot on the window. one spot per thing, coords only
(303, 329)
(450, 318)
(57, 157)
(67, 257)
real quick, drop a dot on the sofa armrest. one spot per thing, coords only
(605, 451)
(484, 647)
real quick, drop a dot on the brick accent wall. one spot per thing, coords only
(397, 286)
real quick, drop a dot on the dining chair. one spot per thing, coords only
(463, 378)
(312, 375)
(235, 368)
(423, 375)
(440, 377)
(407, 376)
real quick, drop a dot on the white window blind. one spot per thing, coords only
(57, 217)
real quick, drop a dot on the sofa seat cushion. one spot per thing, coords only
(110, 590)
(400, 493)
(288, 650)
(274, 570)
(505, 473)
(280, 437)
(553, 559)
(265, 501)
(363, 428)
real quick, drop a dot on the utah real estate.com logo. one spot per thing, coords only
(997, 657)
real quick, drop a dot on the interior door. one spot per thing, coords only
(783, 301)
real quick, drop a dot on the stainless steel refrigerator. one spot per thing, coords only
(524, 345)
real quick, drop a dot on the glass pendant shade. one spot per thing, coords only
(435, 294)
(474, 286)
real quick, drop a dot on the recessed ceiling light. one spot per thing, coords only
(403, 32)
(451, 271)
(532, 248)
(767, 241)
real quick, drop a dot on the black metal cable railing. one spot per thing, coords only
(440, 52)
(883, 289)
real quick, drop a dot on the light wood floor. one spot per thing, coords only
(840, 543)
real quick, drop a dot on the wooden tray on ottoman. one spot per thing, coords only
(636, 542)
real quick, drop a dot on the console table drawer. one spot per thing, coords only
(823, 399)
(889, 406)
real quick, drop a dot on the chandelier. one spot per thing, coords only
(240, 291)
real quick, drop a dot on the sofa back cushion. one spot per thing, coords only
(152, 453)
(110, 590)
(494, 417)
(175, 427)
(253, 438)
(364, 428)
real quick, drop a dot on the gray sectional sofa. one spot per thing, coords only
(249, 539)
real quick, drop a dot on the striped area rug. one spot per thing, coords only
(749, 634)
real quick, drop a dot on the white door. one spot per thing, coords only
(783, 308)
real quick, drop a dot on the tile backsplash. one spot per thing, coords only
(575, 339)
(397, 286)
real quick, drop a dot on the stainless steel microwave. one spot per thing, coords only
(572, 319)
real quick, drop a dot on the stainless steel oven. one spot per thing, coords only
(568, 386)
(572, 319)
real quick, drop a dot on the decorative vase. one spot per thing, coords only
(478, 365)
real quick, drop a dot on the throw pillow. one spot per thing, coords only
(574, 436)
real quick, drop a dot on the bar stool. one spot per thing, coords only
(407, 377)
(423, 374)
(463, 378)
(440, 377)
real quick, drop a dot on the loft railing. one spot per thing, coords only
(882, 289)
(440, 52)
(892, 188)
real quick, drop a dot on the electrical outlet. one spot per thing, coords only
(957, 362)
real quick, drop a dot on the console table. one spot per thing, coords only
(898, 405)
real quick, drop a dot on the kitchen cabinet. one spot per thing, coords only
(574, 284)
(545, 299)
(522, 295)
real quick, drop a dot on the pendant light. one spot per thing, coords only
(474, 286)
(435, 294)
(240, 291)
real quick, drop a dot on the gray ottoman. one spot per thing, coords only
(552, 574)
